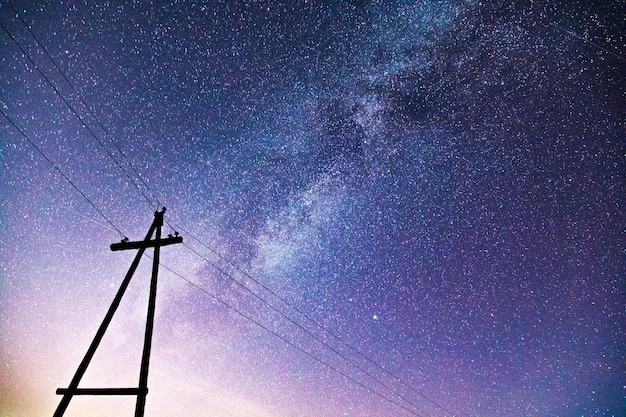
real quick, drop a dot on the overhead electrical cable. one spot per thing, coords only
(290, 343)
(74, 112)
(309, 318)
(298, 325)
(58, 170)
(85, 105)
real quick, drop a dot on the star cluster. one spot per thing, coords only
(388, 208)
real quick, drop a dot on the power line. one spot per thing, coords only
(74, 112)
(290, 343)
(298, 325)
(308, 317)
(42, 153)
(91, 112)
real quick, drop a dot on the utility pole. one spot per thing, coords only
(142, 390)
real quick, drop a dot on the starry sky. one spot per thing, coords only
(389, 208)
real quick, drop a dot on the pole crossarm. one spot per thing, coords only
(142, 391)
(149, 244)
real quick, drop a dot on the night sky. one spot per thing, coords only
(389, 208)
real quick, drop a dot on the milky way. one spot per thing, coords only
(388, 208)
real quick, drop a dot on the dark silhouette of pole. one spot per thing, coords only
(142, 390)
(147, 343)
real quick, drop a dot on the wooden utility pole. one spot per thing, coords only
(142, 390)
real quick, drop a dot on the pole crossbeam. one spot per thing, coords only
(142, 391)
(100, 391)
(151, 244)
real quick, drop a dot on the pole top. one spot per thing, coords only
(125, 244)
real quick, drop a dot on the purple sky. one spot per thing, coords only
(389, 208)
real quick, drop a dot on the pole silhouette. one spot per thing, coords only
(142, 390)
